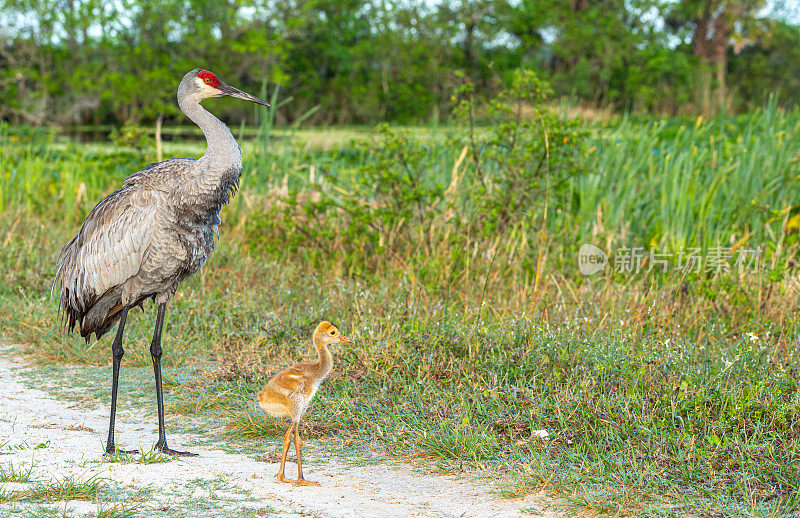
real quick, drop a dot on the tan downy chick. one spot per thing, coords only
(289, 393)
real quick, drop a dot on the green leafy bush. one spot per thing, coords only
(132, 135)
(397, 202)
(527, 153)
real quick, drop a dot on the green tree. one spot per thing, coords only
(768, 67)
(714, 26)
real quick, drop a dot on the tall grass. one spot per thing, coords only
(63, 183)
(705, 183)
(673, 184)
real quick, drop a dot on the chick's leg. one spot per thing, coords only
(287, 440)
(298, 448)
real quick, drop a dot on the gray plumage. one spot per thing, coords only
(144, 239)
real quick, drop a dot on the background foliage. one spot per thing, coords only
(87, 61)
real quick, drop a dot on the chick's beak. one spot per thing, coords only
(235, 92)
(343, 338)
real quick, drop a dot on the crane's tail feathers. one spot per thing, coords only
(56, 280)
(91, 313)
(98, 317)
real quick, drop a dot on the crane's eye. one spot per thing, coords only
(207, 80)
(333, 332)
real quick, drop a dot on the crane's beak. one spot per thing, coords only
(343, 338)
(235, 92)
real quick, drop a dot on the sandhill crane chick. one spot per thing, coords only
(289, 393)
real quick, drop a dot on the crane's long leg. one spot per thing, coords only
(118, 352)
(298, 448)
(155, 352)
(287, 441)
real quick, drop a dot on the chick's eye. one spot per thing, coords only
(333, 332)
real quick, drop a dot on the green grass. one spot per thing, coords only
(116, 511)
(49, 497)
(9, 473)
(662, 394)
(69, 488)
(145, 457)
(622, 433)
(703, 183)
(103, 511)
(8, 448)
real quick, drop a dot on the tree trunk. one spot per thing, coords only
(722, 35)
(710, 41)
(703, 91)
(722, 68)
(468, 55)
(702, 49)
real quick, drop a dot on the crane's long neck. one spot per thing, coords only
(324, 358)
(223, 152)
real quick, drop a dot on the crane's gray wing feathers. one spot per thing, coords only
(106, 252)
(142, 241)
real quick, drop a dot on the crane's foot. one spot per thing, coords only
(113, 450)
(304, 482)
(166, 450)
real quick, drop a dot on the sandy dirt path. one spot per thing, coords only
(62, 439)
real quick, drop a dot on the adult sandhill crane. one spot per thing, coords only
(141, 241)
